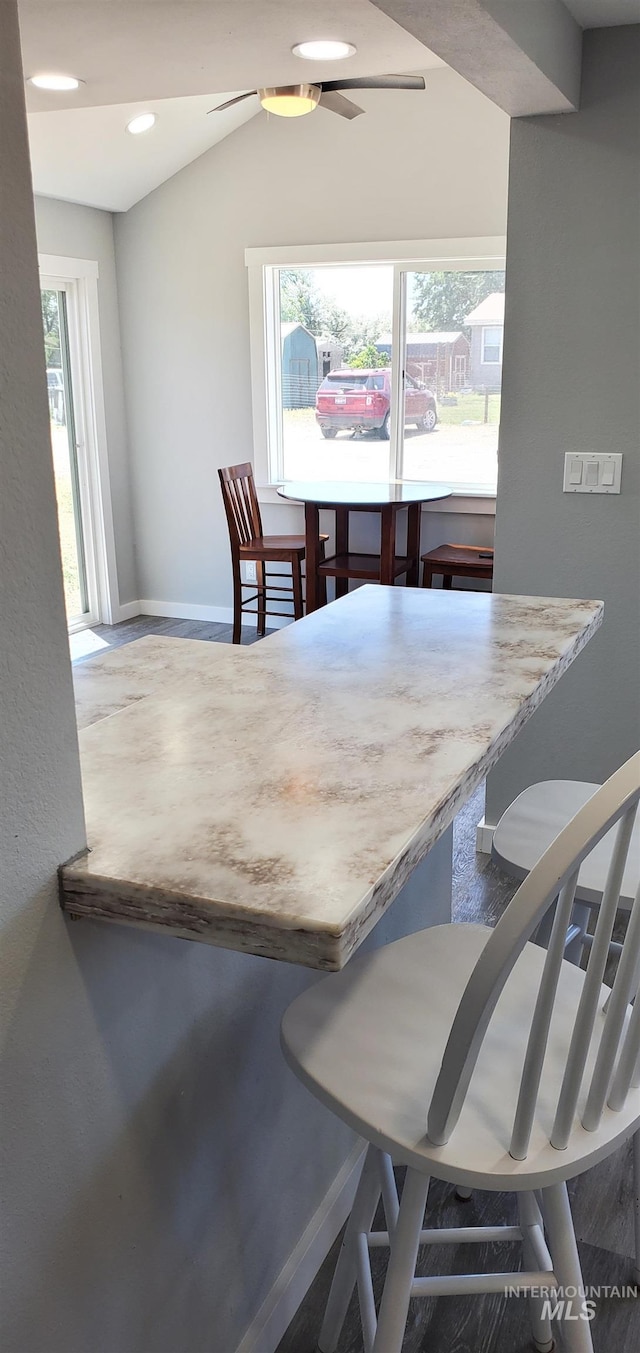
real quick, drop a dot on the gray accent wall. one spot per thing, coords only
(72, 231)
(423, 166)
(41, 822)
(571, 383)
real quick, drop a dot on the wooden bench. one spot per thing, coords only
(457, 561)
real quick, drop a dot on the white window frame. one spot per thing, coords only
(460, 254)
(492, 361)
(79, 278)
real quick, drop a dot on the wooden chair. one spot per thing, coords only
(457, 561)
(249, 544)
(477, 1057)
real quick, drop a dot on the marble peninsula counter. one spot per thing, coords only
(276, 799)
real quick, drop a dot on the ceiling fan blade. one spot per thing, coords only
(375, 82)
(230, 102)
(336, 104)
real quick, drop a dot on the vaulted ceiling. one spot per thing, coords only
(178, 58)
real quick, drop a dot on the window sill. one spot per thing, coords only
(477, 500)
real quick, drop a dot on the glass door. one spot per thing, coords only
(68, 447)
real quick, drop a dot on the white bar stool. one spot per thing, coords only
(527, 828)
(473, 1056)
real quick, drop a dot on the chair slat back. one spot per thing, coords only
(589, 1001)
(554, 877)
(240, 503)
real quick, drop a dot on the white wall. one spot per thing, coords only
(82, 232)
(570, 383)
(414, 167)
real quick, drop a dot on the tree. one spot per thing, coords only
(51, 327)
(368, 358)
(302, 302)
(442, 300)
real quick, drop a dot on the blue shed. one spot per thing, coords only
(299, 367)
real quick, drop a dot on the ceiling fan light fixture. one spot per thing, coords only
(325, 49)
(290, 100)
(58, 84)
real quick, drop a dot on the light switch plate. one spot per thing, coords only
(589, 472)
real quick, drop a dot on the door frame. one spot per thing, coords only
(78, 277)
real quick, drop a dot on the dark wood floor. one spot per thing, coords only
(113, 636)
(601, 1199)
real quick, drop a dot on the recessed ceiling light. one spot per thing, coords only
(143, 123)
(324, 50)
(58, 83)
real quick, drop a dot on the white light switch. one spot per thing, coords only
(575, 472)
(589, 472)
(608, 474)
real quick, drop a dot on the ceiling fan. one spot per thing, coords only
(295, 100)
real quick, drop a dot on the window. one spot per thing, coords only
(330, 424)
(363, 367)
(492, 345)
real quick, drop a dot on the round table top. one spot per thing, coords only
(335, 493)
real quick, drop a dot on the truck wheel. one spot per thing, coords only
(383, 432)
(329, 433)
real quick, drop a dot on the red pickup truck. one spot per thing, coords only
(361, 401)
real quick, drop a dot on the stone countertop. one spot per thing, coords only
(108, 682)
(275, 799)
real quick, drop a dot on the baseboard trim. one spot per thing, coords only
(184, 610)
(484, 837)
(127, 610)
(216, 615)
(291, 1286)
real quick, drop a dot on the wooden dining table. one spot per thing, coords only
(387, 499)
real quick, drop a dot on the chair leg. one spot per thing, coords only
(344, 1278)
(579, 917)
(394, 1306)
(322, 581)
(237, 603)
(296, 577)
(636, 1200)
(566, 1266)
(261, 619)
(529, 1215)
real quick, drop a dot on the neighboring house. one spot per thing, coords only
(439, 360)
(299, 366)
(330, 354)
(487, 327)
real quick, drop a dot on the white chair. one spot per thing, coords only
(473, 1056)
(527, 828)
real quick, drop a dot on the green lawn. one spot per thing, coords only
(470, 409)
(66, 521)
